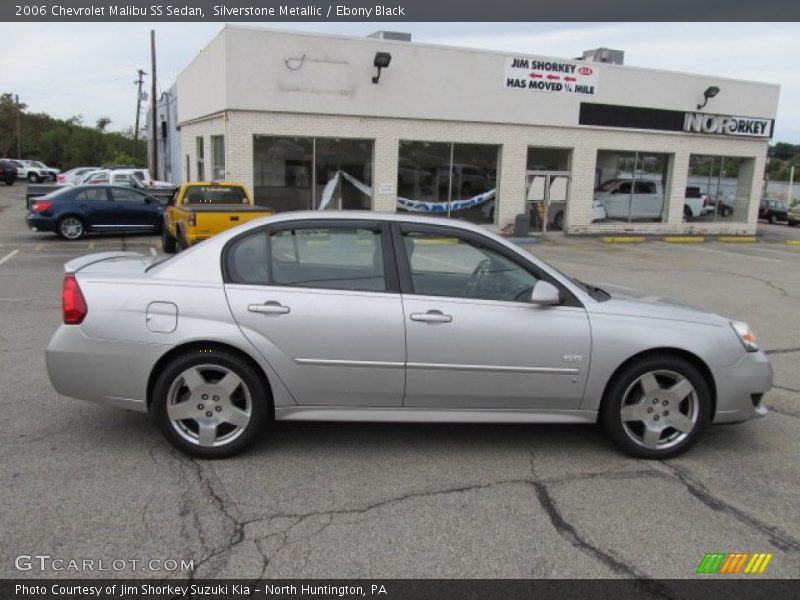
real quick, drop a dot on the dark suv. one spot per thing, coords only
(8, 172)
(773, 210)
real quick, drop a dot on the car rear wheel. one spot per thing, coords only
(687, 214)
(656, 407)
(210, 404)
(167, 241)
(771, 219)
(9, 182)
(71, 228)
(33, 177)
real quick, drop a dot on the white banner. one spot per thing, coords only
(545, 75)
(405, 203)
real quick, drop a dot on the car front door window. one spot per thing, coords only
(449, 266)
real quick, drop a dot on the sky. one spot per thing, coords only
(89, 69)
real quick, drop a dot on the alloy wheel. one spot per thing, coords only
(659, 409)
(71, 228)
(209, 405)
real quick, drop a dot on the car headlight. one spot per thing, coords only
(746, 335)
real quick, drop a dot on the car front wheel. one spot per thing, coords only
(210, 404)
(656, 407)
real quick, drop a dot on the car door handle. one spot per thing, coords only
(269, 308)
(432, 316)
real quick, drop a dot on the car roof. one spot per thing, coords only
(362, 215)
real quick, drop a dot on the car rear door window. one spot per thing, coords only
(247, 260)
(91, 195)
(442, 265)
(129, 196)
(329, 258)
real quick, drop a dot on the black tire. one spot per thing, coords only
(626, 380)
(180, 243)
(65, 230)
(558, 220)
(9, 182)
(771, 219)
(33, 178)
(687, 214)
(793, 223)
(179, 433)
(168, 244)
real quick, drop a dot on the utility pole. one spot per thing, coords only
(19, 126)
(138, 111)
(154, 139)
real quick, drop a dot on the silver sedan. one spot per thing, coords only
(373, 317)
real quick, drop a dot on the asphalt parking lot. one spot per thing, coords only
(362, 500)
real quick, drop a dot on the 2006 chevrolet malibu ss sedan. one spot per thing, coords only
(371, 317)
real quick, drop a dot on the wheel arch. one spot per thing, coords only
(692, 358)
(199, 346)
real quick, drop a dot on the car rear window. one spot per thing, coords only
(201, 194)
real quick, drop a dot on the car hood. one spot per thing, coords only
(635, 303)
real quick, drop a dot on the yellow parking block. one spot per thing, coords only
(683, 239)
(792, 242)
(737, 238)
(625, 239)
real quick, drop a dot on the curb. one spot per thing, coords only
(743, 239)
(683, 239)
(623, 239)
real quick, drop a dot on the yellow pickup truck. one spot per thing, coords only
(201, 209)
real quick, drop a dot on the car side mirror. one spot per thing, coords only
(545, 293)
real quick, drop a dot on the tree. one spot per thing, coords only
(102, 123)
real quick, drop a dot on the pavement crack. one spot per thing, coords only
(782, 351)
(568, 531)
(784, 412)
(779, 539)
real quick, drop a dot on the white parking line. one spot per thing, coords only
(8, 256)
(694, 248)
(153, 251)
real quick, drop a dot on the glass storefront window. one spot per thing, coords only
(200, 158)
(299, 173)
(718, 188)
(343, 172)
(630, 186)
(218, 156)
(455, 180)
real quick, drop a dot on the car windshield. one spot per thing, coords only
(211, 194)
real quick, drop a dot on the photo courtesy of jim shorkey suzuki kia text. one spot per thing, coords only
(196, 590)
(345, 300)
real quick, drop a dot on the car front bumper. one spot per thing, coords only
(740, 388)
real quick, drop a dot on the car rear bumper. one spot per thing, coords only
(108, 372)
(740, 388)
(38, 223)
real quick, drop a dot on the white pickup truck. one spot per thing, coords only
(644, 198)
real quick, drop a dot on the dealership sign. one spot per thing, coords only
(564, 77)
(748, 126)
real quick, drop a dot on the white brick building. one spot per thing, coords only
(299, 120)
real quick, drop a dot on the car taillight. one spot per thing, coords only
(707, 201)
(60, 178)
(192, 219)
(41, 206)
(72, 301)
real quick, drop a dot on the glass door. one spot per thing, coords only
(546, 193)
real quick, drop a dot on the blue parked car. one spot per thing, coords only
(73, 212)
